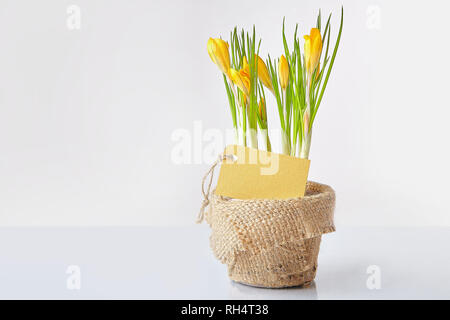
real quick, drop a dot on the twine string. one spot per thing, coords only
(206, 193)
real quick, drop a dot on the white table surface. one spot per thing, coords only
(177, 263)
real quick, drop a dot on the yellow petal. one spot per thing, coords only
(218, 51)
(263, 73)
(283, 72)
(211, 46)
(307, 53)
(315, 35)
(316, 48)
(245, 77)
(313, 49)
(235, 76)
(223, 47)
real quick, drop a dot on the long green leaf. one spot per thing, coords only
(230, 101)
(329, 67)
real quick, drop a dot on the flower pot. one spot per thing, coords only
(271, 243)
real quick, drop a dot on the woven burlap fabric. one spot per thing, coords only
(272, 243)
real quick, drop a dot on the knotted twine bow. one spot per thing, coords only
(206, 193)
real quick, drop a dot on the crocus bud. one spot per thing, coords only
(218, 51)
(263, 73)
(283, 72)
(313, 49)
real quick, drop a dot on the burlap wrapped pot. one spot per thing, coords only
(270, 243)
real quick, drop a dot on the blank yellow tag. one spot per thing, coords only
(257, 174)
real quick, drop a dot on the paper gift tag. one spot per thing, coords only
(257, 174)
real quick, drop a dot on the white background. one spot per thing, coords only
(87, 116)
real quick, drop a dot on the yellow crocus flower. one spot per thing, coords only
(241, 79)
(283, 72)
(263, 74)
(313, 49)
(218, 51)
